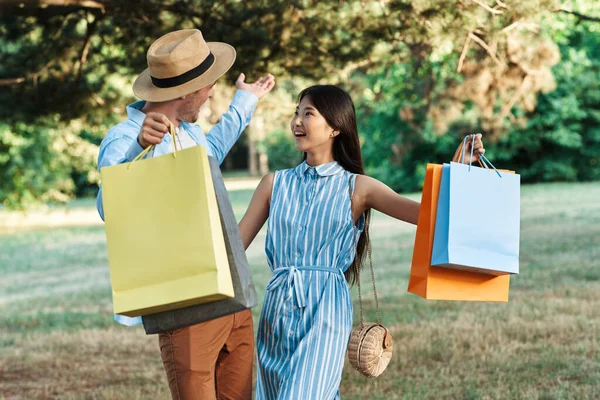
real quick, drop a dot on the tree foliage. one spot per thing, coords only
(557, 140)
(417, 68)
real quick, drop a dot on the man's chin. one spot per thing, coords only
(191, 120)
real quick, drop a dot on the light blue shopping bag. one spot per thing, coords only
(477, 223)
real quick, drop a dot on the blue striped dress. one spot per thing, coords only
(306, 318)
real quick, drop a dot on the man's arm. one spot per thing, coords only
(223, 136)
(116, 148)
(122, 144)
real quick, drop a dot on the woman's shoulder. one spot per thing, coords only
(274, 178)
(365, 184)
(288, 172)
(360, 179)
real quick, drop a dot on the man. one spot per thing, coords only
(213, 358)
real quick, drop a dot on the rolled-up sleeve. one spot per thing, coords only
(223, 135)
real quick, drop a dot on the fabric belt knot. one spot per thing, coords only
(292, 278)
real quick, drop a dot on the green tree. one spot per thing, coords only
(406, 108)
(66, 67)
(560, 141)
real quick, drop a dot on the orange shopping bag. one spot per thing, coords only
(437, 283)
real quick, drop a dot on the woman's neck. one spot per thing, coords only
(316, 159)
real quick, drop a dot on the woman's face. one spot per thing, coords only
(310, 128)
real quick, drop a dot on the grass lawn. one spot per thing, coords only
(58, 340)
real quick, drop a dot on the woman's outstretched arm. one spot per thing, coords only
(257, 212)
(371, 193)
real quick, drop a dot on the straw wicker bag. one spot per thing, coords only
(370, 346)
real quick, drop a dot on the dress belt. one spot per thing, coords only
(292, 277)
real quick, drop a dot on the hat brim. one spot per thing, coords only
(224, 59)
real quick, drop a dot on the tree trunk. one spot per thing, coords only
(258, 160)
(252, 162)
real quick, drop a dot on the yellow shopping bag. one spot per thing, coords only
(165, 243)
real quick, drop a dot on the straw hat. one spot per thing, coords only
(180, 63)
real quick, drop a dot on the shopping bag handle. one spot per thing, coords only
(480, 156)
(173, 133)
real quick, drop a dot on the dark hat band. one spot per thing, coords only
(193, 73)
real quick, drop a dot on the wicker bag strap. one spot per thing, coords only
(370, 262)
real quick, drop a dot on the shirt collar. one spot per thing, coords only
(329, 169)
(134, 112)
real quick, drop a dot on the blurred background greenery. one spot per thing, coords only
(422, 73)
(58, 339)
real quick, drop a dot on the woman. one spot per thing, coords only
(306, 318)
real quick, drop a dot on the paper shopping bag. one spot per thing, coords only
(163, 233)
(245, 294)
(477, 223)
(437, 283)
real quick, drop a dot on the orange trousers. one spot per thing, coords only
(211, 360)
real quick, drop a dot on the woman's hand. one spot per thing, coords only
(476, 150)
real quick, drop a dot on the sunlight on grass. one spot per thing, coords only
(57, 337)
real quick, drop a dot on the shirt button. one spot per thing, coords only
(299, 228)
(306, 203)
(298, 254)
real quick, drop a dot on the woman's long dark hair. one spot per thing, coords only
(336, 106)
